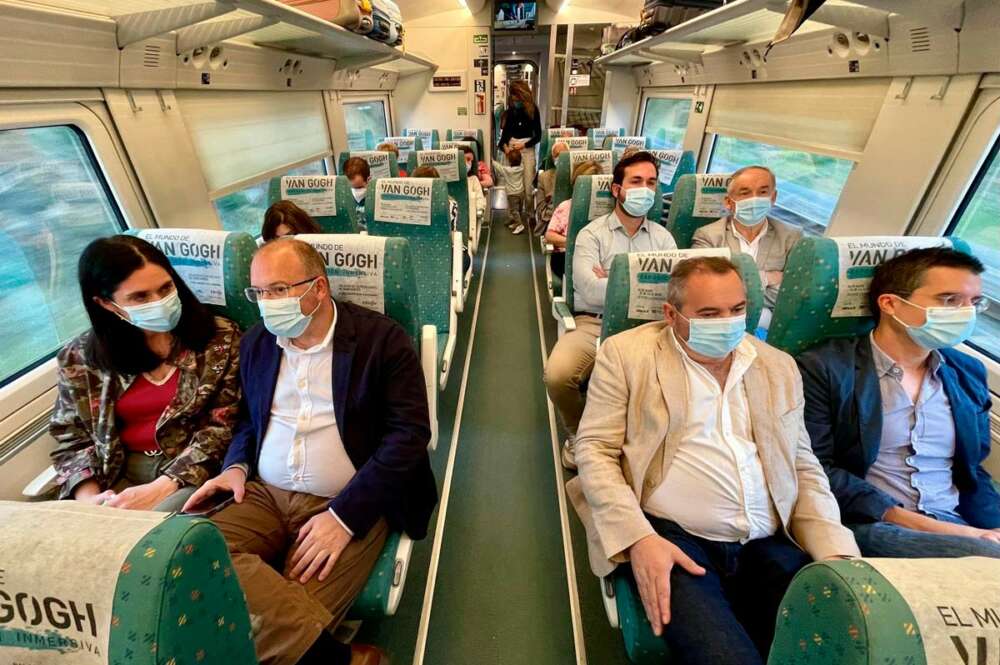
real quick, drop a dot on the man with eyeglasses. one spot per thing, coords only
(900, 419)
(329, 454)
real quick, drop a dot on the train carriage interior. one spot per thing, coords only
(458, 164)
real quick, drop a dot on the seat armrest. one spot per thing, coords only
(562, 314)
(457, 278)
(429, 363)
(43, 484)
(548, 248)
(399, 570)
(610, 602)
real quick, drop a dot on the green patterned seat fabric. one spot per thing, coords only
(457, 189)
(344, 156)
(237, 252)
(430, 247)
(564, 170)
(370, 605)
(641, 644)
(681, 220)
(616, 299)
(596, 136)
(178, 601)
(845, 613)
(430, 138)
(346, 219)
(545, 145)
(802, 313)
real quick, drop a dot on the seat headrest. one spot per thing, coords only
(450, 145)
(595, 192)
(215, 265)
(620, 143)
(428, 137)
(567, 163)
(699, 199)
(560, 131)
(597, 135)
(450, 164)
(824, 291)
(404, 200)
(405, 144)
(316, 194)
(380, 162)
(572, 142)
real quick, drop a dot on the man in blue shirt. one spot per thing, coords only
(900, 420)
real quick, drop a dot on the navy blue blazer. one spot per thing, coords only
(381, 408)
(843, 413)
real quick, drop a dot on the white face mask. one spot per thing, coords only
(359, 193)
(715, 338)
(158, 316)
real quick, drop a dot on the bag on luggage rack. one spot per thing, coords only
(380, 20)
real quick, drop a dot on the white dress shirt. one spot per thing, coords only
(748, 247)
(302, 450)
(715, 487)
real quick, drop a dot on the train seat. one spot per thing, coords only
(568, 161)
(405, 145)
(673, 165)
(449, 144)
(156, 588)
(697, 201)
(430, 138)
(477, 218)
(596, 136)
(381, 163)
(548, 139)
(889, 611)
(450, 164)
(620, 143)
(637, 287)
(468, 132)
(825, 287)
(417, 209)
(327, 199)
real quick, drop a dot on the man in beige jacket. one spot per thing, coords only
(695, 466)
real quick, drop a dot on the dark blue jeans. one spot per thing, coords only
(727, 616)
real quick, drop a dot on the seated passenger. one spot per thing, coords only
(511, 178)
(558, 226)
(748, 229)
(147, 398)
(624, 229)
(547, 178)
(483, 171)
(901, 420)
(394, 149)
(284, 218)
(330, 453)
(358, 174)
(476, 196)
(695, 467)
(453, 210)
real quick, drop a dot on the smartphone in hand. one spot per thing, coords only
(212, 504)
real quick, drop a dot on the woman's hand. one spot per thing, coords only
(144, 497)
(89, 491)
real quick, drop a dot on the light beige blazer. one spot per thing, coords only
(636, 409)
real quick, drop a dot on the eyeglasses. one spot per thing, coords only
(981, 303)
(255, 293)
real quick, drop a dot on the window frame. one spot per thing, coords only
(30, 395)
(360, 98)
(962, 170)
(663, 94)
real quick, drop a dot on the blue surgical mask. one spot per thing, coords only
(519, 105)
(715, 338)
(945, 327)
(283, 317)
(157, 316)
(753, 211)
(638, 201)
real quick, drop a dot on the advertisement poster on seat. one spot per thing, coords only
(710, 195)
(445, 161)
(378, 162)
(669, 160)
(601, 201)
(316, 194)
(404, 200)
(197, 256)
(602, 157)
(649, 273)
(355, 265)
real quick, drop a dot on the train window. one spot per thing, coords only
(978, 223)
(664, 122)
(367, 124)
(53, 201)
(244, 210)
(809, 184)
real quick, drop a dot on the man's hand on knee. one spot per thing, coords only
(320, 543)
(652, 559)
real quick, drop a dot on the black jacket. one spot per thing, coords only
(518, 124)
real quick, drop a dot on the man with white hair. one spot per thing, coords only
(749, 229)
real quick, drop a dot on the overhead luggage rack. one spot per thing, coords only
(199, 24)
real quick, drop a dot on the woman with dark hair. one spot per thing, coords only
(147, 398)
(284, 218)
(522, 129)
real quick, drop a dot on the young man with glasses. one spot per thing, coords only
(328, 456)
(900, 419)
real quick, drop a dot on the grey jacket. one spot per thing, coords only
(771, 255)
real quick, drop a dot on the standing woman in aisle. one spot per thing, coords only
(147, 398)
(522, 129)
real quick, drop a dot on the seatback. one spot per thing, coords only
(450, 165)
(215, 265)
(637, 287)
(568, 161)
(381, 163)
(596, 136)
(452, 145)
(326, 198)
(430, 139)
(591, 199)
(620, 143)
(698, 200)
(673, 165)
(417, 209)
(405, 144)
(468, 132)
(545, 145)
(374, 272)
(824, 291)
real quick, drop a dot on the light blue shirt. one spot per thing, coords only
(598, 244)
(914, 464)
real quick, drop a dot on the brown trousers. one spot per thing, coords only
(261, 533)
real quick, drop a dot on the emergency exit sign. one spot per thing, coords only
(480, 39)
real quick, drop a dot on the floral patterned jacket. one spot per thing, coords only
(193, 433)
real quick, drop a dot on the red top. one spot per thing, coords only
(140, 408)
